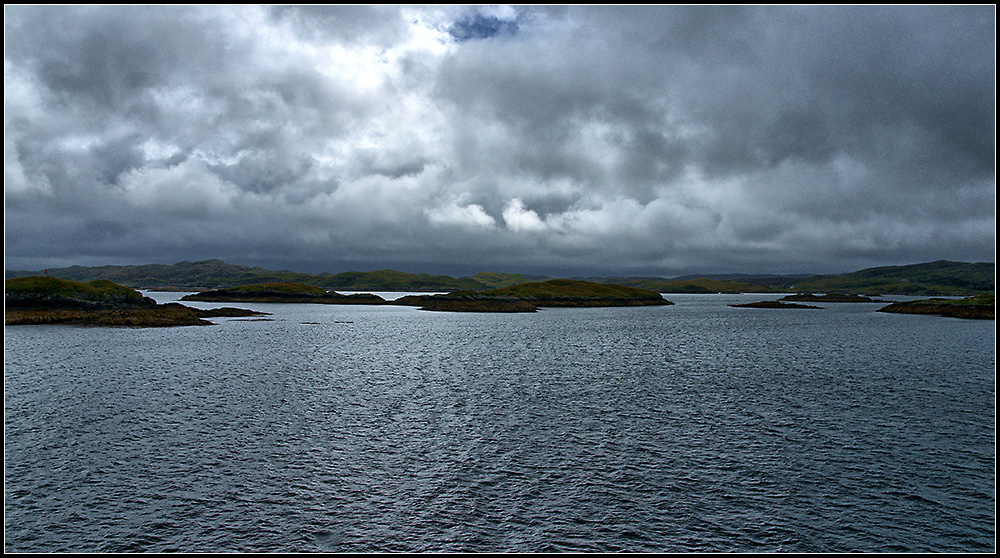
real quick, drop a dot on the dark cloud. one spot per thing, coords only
(479, 26)
(609, 139)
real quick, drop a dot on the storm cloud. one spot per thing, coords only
(565, 140)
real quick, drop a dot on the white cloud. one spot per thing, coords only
(188, 188)
(519, 218)
(472, 215)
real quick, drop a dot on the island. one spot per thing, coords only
(979, 307)
(48, 300)
(830, 297)
(529, 297)
(523, 297)
(283, 292)
(774, 304)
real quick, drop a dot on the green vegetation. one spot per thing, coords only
(498, 280)
(283, 288)
(524, 297)
(47, 300)
(979, 307)
(36, 290)
(934, 278)
(528, 297)
(701, 285)
(282, 292)
(388, 280)
(555, 289)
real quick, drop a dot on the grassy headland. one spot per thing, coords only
(48, 300)
(979, 307)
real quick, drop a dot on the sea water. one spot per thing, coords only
(692, 427)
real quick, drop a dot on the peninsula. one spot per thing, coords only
(979, 307)
(48, 300)
(528, 297)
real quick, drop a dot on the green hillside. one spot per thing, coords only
(940, 277)
(389, 280)
(934, 278)
(286, 287)
(497, 280)
(202, 274)
(22, 291)
(569, 288)
(701, 285)
(215, 274)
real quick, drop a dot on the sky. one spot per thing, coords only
(560, 140)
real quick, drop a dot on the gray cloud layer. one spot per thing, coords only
(626, 140)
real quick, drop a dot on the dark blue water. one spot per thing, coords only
(694, 427)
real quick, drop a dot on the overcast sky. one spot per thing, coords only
(558, 140)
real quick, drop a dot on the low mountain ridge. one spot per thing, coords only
(933, 278)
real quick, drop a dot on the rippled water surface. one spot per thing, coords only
(693, 427)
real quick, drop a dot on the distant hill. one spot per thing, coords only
(203, 274)
(499, 280)
(933, 278)
(389, 280)
(692, 285)
(215, 274)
